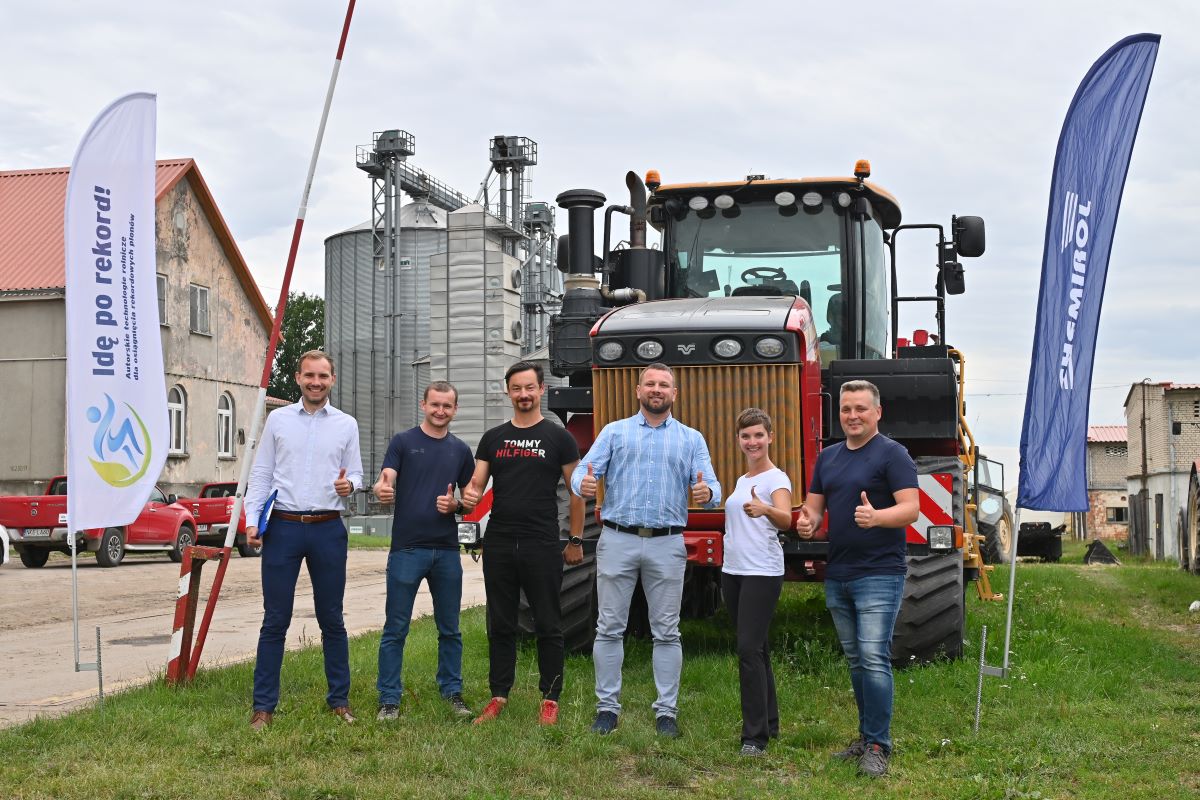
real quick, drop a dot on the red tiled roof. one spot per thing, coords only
(31, 227)
(1171, 386)
(1108, 433)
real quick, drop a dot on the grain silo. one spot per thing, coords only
(377, 324)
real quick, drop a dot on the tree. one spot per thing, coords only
(303, 330)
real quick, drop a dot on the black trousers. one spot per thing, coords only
(751, 600)
(511, 566)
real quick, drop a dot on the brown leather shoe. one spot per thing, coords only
(343, 713)
(260, 720)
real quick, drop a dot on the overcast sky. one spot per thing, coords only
(958, 109)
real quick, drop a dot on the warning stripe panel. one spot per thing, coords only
(936, 497)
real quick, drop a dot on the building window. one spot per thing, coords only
(1117, 514)
(199, 304)
(177, 416)
(1116, 450)
(225, 425)
(162, 298)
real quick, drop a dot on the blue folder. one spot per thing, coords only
(265, 517)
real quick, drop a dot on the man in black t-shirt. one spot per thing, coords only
(869, 485)
(525, 459)
(420, 471)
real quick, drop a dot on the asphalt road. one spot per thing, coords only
(134, 605)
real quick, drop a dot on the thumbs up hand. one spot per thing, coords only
(587, 487)
(701, 492)
(446, 504)
(755, 507)
(342, 486)
(864, 515)
(805, 524)
(384, 490)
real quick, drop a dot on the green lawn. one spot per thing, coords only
(1104, 702)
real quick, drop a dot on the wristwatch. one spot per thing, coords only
(575, 540)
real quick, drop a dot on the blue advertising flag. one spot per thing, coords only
(1085, 195)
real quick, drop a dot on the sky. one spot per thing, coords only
(958, 106)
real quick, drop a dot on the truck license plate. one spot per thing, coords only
(37, 533)
(201, 528)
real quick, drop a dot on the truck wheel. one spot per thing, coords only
(33, 557)
(933, 612)
(998, 545)
(185, 538)
(112, 547)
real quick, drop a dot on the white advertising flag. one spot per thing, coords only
(116, 392)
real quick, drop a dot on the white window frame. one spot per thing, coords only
(177, 417)
(199, 309)
(161, 284)
(225, 425)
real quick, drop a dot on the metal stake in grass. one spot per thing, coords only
(982, 664)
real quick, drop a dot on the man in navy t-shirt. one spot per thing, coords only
(420, 471)
(869, 486)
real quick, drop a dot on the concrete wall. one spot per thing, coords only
(33, 357)
(33, 350)
(1099, 502)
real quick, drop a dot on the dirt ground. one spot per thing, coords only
(134, 606)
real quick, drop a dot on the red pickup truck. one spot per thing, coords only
(211, 511)
(37, 525)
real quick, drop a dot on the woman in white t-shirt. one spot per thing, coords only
(752, 577)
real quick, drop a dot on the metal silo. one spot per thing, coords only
(377, 324)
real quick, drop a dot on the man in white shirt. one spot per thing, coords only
(309, 454)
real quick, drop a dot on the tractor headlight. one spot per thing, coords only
(941, 537)
(610, 350)
(727, 348)
(769, 347)
(649, 350)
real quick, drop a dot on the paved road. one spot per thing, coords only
(134, 605)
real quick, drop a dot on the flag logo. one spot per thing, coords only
(120, 442)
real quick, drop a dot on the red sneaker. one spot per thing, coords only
(549, 715)
(491, 710)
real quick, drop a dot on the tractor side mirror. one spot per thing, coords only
(969, 238)
(563, 259)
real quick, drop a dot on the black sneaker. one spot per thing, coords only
(874, 761)
(388, 712)
(853, 751)
(752, 750)
(606, 723)
(459, 705)
(667, 727)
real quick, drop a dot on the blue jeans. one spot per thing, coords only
(864, 613)
(322, 546)
(442, 570)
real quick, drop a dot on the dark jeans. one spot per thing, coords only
(322, 546)
(510, 567)
(751, 600)
(406, 568)
(864, 613)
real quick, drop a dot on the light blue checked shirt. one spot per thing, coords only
(300, 454)
(648, 471)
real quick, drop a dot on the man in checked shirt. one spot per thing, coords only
(652, 464)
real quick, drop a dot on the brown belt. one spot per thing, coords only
(321, 516)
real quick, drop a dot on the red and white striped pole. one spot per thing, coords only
(260, 405)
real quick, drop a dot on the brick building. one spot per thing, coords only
(215, 326)
(1107, 476)
(1164, 441)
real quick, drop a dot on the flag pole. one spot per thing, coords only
(261, 401)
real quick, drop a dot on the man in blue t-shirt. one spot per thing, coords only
(420, 471)
(869, 486)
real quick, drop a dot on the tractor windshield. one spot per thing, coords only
(759, 248)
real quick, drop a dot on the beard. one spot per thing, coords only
(656, 405)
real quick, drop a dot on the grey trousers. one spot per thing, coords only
(660, 561)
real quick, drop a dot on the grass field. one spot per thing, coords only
(1104, 702)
